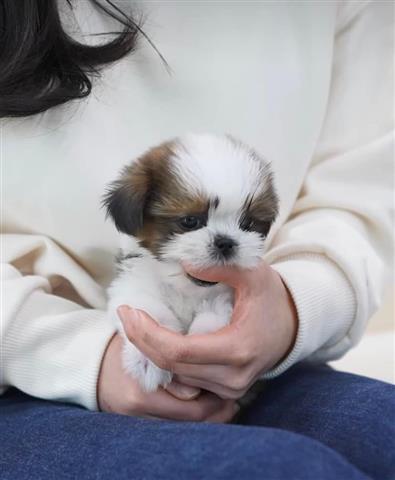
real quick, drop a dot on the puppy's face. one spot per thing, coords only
(203, 199)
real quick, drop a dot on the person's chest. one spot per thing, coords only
(259, 71)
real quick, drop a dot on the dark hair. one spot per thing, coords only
(41, 66)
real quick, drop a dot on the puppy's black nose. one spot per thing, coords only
(225, 245)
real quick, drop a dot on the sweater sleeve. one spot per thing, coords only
(54, 329)
(333, 251)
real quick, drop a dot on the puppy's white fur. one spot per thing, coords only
(218, 167)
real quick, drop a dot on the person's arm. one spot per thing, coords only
(333, 251)
(51, 347)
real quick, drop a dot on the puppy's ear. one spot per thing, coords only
(126, 198)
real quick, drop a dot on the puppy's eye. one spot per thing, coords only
(191, 222)
(252, 225)
(248, 224)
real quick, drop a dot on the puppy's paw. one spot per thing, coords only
(207, 322)
(149, 376)
(154, 378)
(214, 314)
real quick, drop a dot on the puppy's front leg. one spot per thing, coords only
(213, 314)
(125, 290)
(136, 364)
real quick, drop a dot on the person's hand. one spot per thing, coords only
(117, 392)
(227, 362)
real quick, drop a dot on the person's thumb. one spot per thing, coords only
(235, 277)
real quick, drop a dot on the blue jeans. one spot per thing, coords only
(310, 423)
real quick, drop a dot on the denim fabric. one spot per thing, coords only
(351, 414)
(342, 428)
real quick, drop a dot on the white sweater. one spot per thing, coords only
(308, 84)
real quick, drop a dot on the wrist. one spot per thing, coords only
(108, 354)
(117, 392)
(325, 306)
(292, 320)
(288, 322)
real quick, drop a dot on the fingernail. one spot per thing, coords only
(125, 312)
(185, 391)
(188, 392)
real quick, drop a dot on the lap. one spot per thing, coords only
(351, 414)
(47, 440)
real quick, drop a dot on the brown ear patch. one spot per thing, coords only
(127, 198)
(168, 200)
(264, 205)
(261, 209)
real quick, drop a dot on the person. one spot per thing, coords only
(85, 87)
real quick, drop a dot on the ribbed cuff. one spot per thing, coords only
(325, 303)
(56, 355)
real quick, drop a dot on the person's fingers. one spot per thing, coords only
(220, 374)
(220, 390)
(226, 414)
(182, 392)
(166, 406)
(167, 348)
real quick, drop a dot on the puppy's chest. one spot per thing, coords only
(187, 302)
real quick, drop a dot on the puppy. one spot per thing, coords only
(204, 200)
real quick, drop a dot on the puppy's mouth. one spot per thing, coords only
(201, 283)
